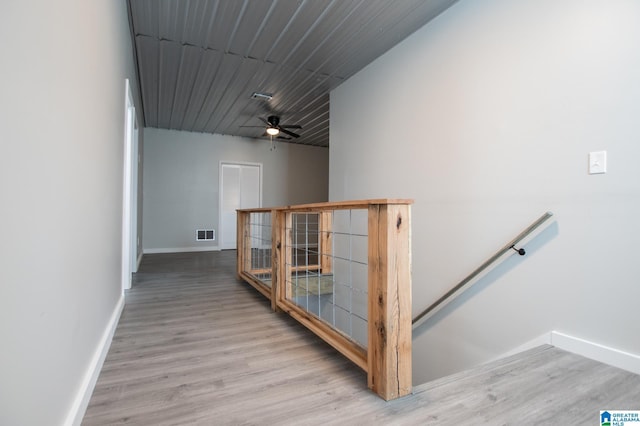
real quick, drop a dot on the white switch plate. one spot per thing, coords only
(597, 162)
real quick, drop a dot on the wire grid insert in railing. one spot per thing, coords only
(261, 248)
(329, 268)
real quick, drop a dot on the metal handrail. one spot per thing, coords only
(473, 277)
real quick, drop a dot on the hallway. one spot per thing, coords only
(196, 346)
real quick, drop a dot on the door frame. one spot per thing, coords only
(220, 192)
(129, 190)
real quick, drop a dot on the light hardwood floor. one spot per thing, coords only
(195, 346)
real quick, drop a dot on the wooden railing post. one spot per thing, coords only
(243, 242)
(277, 257)
(287, 255)
(389, 322)
(325, 240)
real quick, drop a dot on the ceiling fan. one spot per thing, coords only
(274, 128)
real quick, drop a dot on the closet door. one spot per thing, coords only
(240, 188)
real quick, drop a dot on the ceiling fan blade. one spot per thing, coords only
(252, 127)
(273, 122)
(283, 138)
(286, 132)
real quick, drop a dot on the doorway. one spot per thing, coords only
(240, 188)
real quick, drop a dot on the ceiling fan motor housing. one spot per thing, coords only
(273, 120)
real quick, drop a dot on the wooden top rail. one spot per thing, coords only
(257, 210)
(334, 205)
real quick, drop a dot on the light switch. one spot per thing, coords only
(597, 162)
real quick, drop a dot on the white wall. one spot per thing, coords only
(62, 95)
(181, 181)
(485, 117)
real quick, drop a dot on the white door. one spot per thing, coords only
(240, 188)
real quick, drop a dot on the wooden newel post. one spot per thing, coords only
(325, 240)
(278, 264)
(389, 253)
(243, 242)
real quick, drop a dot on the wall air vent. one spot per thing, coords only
(205, 234)
(262, 96)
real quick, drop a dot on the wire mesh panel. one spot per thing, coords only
(328, 266)
(260, 242)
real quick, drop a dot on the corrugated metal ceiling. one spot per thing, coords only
(199, 61)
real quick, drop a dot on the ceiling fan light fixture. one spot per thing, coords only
(273, 131)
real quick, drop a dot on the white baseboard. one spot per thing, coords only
(617, 358)
(180, 249)
(610, 356)
(81, 401)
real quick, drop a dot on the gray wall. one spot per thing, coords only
(487, 116)
(64, 65)
(181, 181)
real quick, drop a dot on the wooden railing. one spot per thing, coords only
(342, 269)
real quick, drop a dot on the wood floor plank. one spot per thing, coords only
(196, 347)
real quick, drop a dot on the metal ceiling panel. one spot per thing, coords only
(227, 18)
(370, 34)
(191, 58)
(285, 48)
(202, 85)
(329, 35)
(276, 22)
(199, 61)
(169, 66)
(239, 82)
(145, 17)
(220, 84)
(198, 17)
(147, 52)
(391, 28)
(249, 26)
